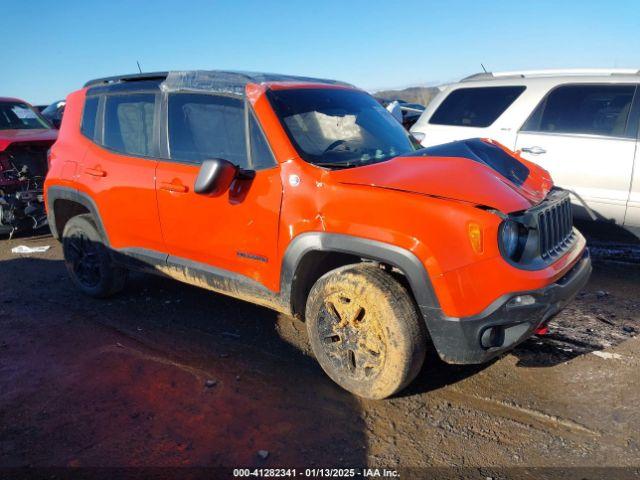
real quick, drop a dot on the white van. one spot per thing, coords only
(581, 125)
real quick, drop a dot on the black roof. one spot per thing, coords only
(232, 78)
(133, 77)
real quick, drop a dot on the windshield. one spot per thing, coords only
(339, 127)
(20, 116)
(53, 109)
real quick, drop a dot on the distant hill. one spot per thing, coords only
(422, 95)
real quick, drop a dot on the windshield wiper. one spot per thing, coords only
(336, 164)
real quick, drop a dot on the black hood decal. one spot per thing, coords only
(483, 152)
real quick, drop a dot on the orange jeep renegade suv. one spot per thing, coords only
(307, 197)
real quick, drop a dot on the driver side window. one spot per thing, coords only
(205, 126)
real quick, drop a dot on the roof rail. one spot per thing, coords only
(488, 76)
(193, 77)
(551, 73)
(134, 77)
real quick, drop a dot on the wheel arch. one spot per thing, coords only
(312, 254)
(63, 203)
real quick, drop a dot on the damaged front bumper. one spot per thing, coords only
(23, 210)
(508, 321)
(22, 172)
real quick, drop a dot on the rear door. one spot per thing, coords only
(118, 169)
(582, 134)
(236, 231)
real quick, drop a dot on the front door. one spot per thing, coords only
(238, 230)
(582, 135)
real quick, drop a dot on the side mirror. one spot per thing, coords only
(215, 177)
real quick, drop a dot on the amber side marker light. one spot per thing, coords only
(475, 237)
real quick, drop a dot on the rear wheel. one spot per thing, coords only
(87, 259)
(365, 331)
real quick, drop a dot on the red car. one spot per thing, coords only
(25, 138)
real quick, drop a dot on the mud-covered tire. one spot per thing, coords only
(365, 330)
(88, 260)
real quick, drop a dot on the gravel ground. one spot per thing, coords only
(171, 375)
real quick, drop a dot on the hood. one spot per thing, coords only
(475, 171)
(7, 137)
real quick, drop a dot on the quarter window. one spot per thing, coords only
(584, 109)
(89, 115)
(128, 123)
(475, 107)
(261, 156)
(207, 126)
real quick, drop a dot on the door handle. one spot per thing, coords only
(174, 187)
(534, 150)
(95, 172)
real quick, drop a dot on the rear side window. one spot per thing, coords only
(207, 126)
(475, 107)
(261, 156)
(128, 123)
(89, 116)
(584, 109)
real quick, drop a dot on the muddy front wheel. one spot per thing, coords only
(365, 331)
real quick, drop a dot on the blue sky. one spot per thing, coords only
(51, 48)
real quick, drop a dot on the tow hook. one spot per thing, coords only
(541, 330)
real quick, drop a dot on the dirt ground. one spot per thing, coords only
(170, 375)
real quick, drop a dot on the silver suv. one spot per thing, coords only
(580, 125)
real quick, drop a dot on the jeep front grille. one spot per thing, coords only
(555, 226)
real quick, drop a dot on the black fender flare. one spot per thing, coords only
(398, 257)
(56, 192)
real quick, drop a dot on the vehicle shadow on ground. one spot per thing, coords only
(606, 231)
(161, 374)
(610, 242)
(436, 374)
(595, 320)
(567, 342)
(551, 350)
(280, 335)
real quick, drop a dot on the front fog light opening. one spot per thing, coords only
(492, 337)
(521, 301)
